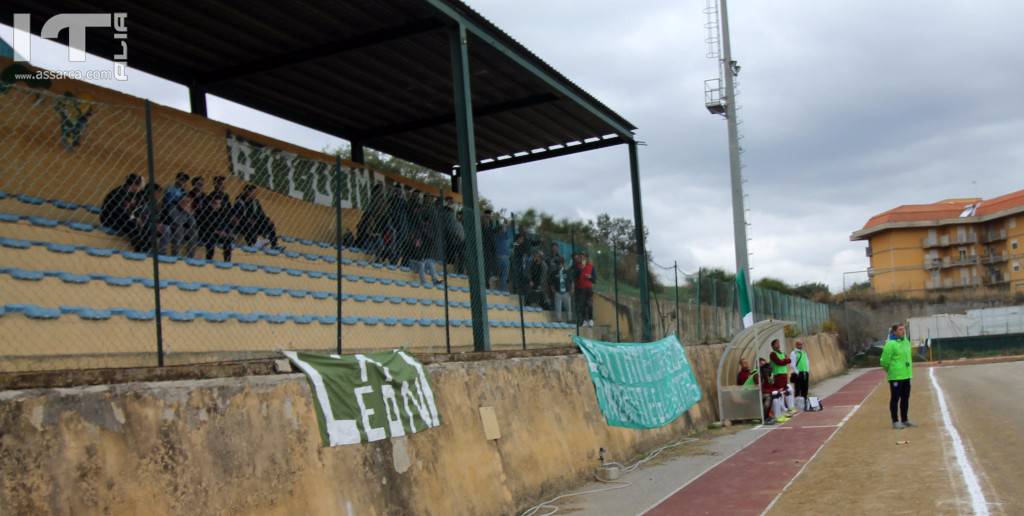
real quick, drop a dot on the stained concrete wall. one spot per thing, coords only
(250, 445)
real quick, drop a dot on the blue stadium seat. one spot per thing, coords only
(439, 322)
(223, 265)
(28, 199)
(311, 257)
(38, 312)
(272, 252)
(72, 310)
(221, 289)
(408, 321)
(302, 319)
(400, 283)
(248, 267)
(412, 300)
(180, 316)
(350, 320)
(17, 308)
(274, 292)
(67, 277)
(134, 256)
(43, 222)
(321, 295)
(331, 276)
(395, 300)
(190, 287)
(65, 205)
(80, 226)
(315, 274)
(290, 240)
(249, 249)
(248, 291)
(362, 263)
(20, 274)
(329, 259)
(306, 242)
(291, 254)
(100, 252)
(9, 217)
(163, 258)
(275, 318)
(195, 262)
(385, 281)
(347, 261)
(139, 315)
(148, 282)
(60, 248)
(90, 314)
(327, 319)
(272, 270)
(295, 272)
(118, 310)
(325, 245)
(95, 210)
(361, 298)
(214, 317)
(248, 318)
(495, 324)
(389, 321)
(425, 301)
(379, 299)
(118, 282)
(298, 294)
(3, 194)
(426, 321)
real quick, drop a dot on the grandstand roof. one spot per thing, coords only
(949, 211)
(378, 73)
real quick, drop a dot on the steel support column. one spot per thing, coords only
(197, 100)
(358, 154)
(467, 171)
(641, 247)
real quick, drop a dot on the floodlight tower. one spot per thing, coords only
(720, 99)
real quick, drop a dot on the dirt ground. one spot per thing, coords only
(866, 468)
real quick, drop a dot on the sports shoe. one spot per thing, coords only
(791, 411)
(908, 424)
(781, 419)
(898, 426)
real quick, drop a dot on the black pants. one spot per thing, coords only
(212, 241)
(803, 381)
(584, 305)
(260, 228)
(899, 395)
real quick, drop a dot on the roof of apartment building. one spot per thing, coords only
(945, 212)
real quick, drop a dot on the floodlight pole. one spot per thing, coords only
(739, 220)
(470, 202)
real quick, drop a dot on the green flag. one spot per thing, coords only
(743, 299)
(368, 397)
(641, 384)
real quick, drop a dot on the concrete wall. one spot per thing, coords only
(250, 444)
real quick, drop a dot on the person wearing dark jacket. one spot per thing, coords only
(560, 282)
(253, 222)
(118, 206)
(427, 250)
(536, 272)
(215, 228)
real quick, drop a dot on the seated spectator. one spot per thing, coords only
(215, 228)
(118, 206)
(253, 222)
(176, 190)
(182, 234)
(140, 217)
(535, 274)
(560, 283)
(746, 377)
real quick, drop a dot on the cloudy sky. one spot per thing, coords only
(849, 108)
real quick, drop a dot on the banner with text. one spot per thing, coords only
(287, 173)
(368, 397)
(641, 384)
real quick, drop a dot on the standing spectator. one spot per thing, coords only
(427, 248)
(503, 254)
(181, 236)
(118, 206)
(141, 215)
(176, 190)
(560, 283)
(487, 235)
(584, 281)
(518, 265)
(536, 274)
(455, 237)
(802, 369)
(552, 260)
(897, 361)
(780, 371)
(215, 228)
(219, 192)
(197, 194)
(253, 222)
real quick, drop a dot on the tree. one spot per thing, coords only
(818, 292)
(774, 284)
(406, 169)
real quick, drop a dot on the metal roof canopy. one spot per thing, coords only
(375, 73)
(749, 344)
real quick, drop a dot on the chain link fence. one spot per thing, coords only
(135, 235)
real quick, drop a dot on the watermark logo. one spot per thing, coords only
(76, 25)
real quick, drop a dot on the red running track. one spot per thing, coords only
(748, 481)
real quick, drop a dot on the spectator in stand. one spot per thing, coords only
(215, 228)
(427, 249)
(197, 195)
(253, 222)
(780, 369)
(503, 254)
(118, 207)
(368, 229)
(802, 370)
(181, 237)
(219, 192)
(455, 237)
(552, 259)
(176, 190)
(487, 234)
(561, 286)
(518, 265)
(584, 282)
(535, 274)
(746, 377)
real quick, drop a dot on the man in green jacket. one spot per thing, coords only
(897, 361)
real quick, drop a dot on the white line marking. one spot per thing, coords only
(822, 447)
(978, 502)
(819, 426)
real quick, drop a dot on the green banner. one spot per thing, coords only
(368, 397)
(641, 385)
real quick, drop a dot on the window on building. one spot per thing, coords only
(1012, 223)
(1013, 245)
(963, 253)
(1016, 266)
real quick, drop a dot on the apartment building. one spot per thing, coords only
(947, 245)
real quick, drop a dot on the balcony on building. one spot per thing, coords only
(993, 235)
